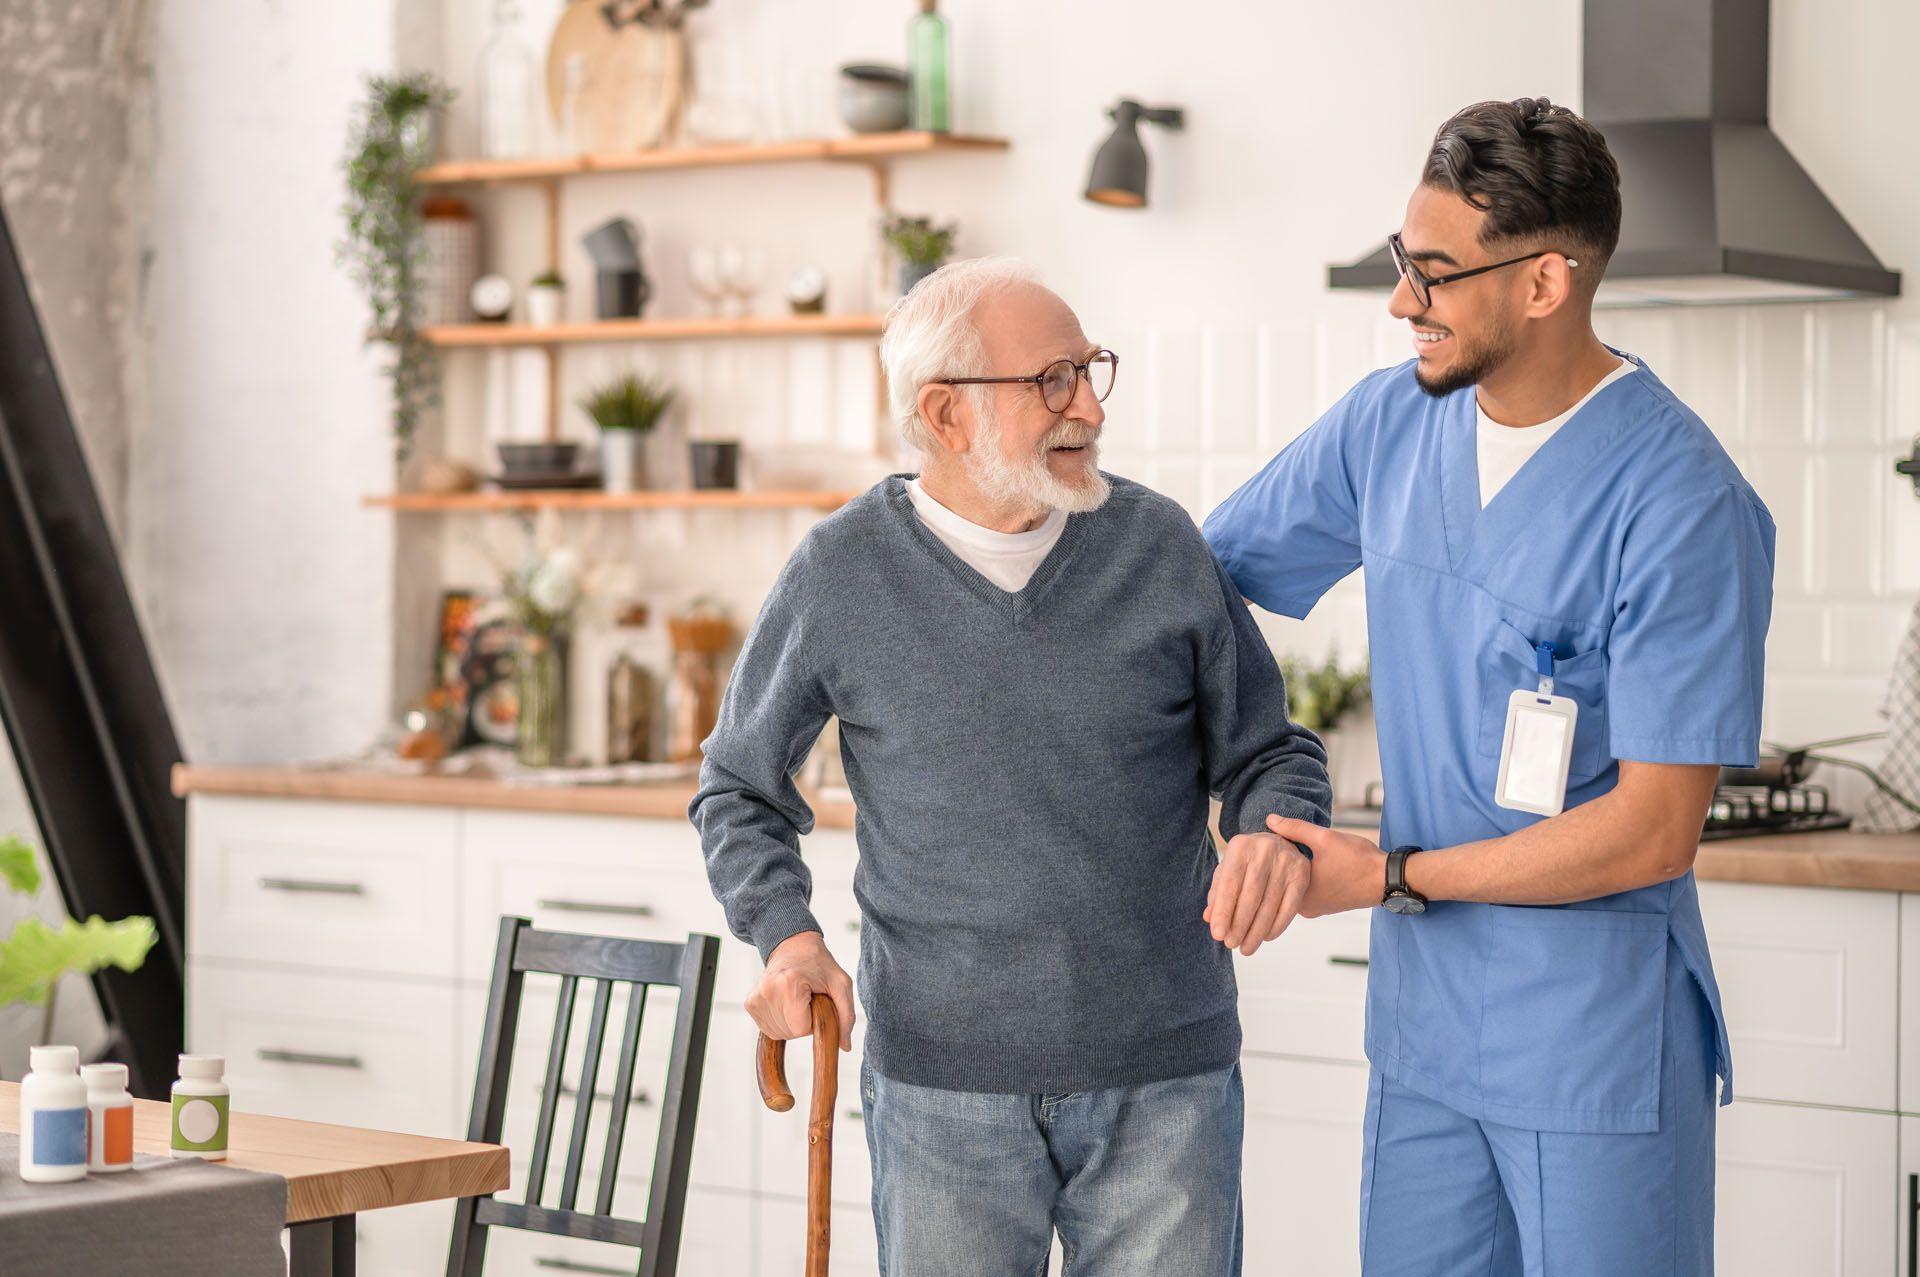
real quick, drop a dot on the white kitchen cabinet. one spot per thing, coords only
(362, 887)
(1906, 1196)
(607, 875)
(1306, 993)
(1808, 977)
(1909, 1012)
(1301, 1176)
(1805, 1192)
(324, 1046)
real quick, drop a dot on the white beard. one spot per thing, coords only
(1031, 484)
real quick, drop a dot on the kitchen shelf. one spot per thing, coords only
(591, 499)
(868, 148)
(625, 330)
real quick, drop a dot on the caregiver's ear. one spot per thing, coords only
(1553, 282)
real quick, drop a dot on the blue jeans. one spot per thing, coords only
(1140, 1181)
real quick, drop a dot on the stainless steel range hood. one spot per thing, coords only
(1715, 209)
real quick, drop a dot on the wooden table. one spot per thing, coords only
(332, 1172)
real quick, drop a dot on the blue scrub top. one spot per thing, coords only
(1631, 542)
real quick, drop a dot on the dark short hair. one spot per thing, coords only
(1541, 173)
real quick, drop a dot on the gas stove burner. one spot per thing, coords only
(1752, 810)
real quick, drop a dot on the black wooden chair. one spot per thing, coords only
(606, 961)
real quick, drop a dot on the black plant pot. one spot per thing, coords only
(715, 465)
(621, 294)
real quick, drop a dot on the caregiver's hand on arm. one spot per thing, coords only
(1258, 888)
(1645, 830)
(799, 967)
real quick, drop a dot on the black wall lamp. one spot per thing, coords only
(1119, 176)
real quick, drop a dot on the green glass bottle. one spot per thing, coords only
(927, 66)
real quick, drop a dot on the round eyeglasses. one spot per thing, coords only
(1059, 381)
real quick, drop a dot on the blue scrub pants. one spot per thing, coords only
(1446, 1195)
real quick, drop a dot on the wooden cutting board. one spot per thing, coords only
(636, 79)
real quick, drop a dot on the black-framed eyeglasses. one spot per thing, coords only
(1058, 381)
(1423, 284)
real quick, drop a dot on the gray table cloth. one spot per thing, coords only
(163, 1218)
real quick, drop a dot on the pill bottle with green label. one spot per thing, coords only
(200, 1108)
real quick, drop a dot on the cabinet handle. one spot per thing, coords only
(1345, 960)
(641, 1096)
(594, 906)
(276, 1055)
(575, 1266)
(318, 885)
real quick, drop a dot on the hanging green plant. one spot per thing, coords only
(390, 141)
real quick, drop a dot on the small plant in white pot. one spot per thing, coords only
(546, 299)
(626, 409)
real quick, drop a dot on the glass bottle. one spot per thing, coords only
(506, 88)
(927, 67)
(540, 670)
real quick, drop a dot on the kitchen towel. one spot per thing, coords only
(1901, 768)
(166, 1217)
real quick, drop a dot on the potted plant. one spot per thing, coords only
(393, 137)
(1320, 696)
(922, 247)
(546, 299)
(35, 956)
(626, 409)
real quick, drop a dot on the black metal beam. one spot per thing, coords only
(79, 695)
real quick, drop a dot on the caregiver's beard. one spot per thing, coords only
(1029, 484)
(1474, 362)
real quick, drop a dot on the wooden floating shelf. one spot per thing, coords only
(590, 499)
(866, 148)
(619, 330)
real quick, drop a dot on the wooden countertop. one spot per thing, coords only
(1835, 858)
(665, 800)
(330, 1170)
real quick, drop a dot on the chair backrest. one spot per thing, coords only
(605, 961)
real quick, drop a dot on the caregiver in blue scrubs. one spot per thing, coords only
(1568, 585)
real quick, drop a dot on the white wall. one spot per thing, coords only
(266, 589)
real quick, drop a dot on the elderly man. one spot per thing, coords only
(1040, 674)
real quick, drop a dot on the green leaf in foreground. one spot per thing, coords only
(34, 958)
(19, 867)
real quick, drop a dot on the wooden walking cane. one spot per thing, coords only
(771, 1062)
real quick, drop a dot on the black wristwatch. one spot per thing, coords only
(1401, 898)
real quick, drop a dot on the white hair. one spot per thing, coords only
(930, 333)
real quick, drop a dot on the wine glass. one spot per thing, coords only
(704, 272)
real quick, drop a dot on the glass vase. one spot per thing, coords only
(541, 672)
(506, 88)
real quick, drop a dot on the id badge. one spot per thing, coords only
(1535, 753)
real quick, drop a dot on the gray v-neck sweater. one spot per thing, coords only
(1031, 773)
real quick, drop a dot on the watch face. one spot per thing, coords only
(1405, 904)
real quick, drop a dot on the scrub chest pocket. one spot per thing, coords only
(1508, 663)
